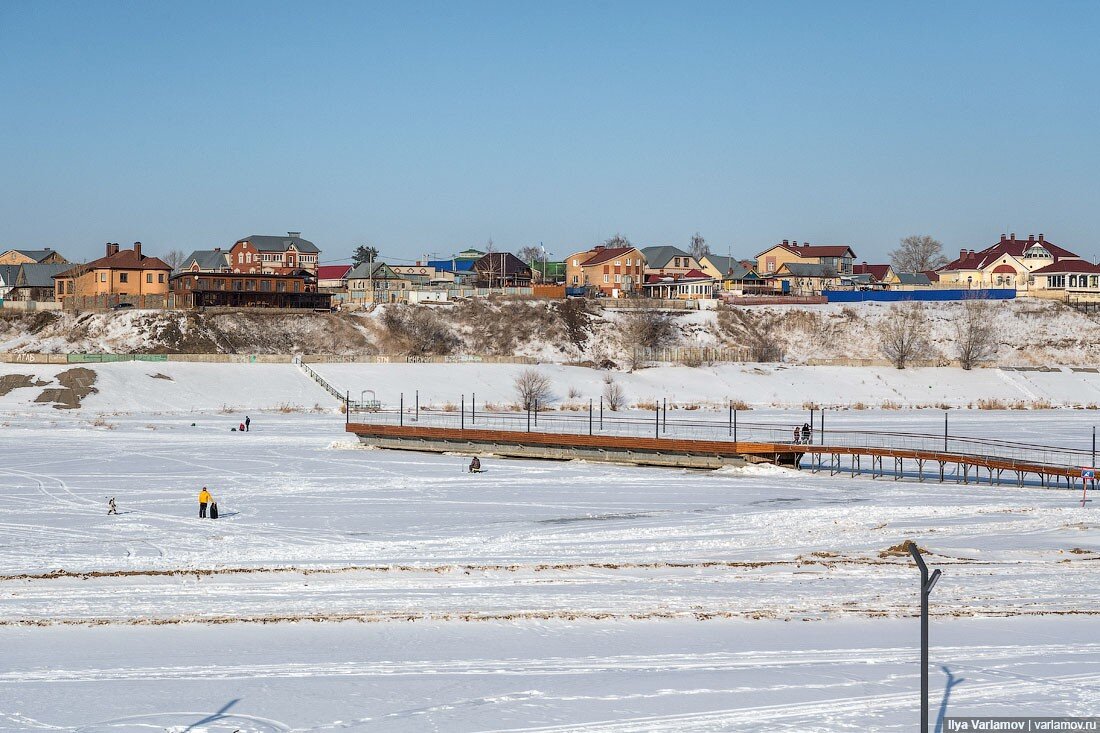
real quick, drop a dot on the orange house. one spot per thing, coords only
(614, 270)
(124, 272)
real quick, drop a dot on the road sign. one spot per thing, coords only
(1088, 473)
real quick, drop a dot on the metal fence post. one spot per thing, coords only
(401, 412)
(462, 413)
(473, 407)
(536, 413)
(601, 414)
(528, 417)
(418, 405)
(945, 431)
(731, 418)
(735, 425)
(664, 419)
(821, 440)
(347, 408)
(589, 415)
(657, 421)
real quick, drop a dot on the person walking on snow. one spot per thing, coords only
(213, 507)
(111, 508)
(796, 434)
(806, 433)
(204, 499)
(247, 422)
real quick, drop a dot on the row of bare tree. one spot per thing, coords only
(905, 333)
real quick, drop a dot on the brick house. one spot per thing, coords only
(274, 255)
(502, 270)
(45, 256)
(613, 270)
(120, 274)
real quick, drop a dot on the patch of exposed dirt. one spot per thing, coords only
(76, 384)
(9, 382)
(158, 375)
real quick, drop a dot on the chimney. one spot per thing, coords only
(112, 249)
(1030, 238)
(1012, 236)
(1004, 237)
(137, 249)
(962, 254)
(1041, 237)
(786, 242)
(294, 234)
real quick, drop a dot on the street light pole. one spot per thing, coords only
(927, 583)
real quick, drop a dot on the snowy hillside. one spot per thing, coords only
(1027, 332)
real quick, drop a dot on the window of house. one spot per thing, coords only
(123, 277)
(69, 287)
(607, 278)
(618, 263)
(248, 257)
(103, 277)
(149, 278)
(240, 257)
(575, 279)
(160, 277)
(1095, 281)
(250, 285)
(265, 285)
(618, 278)
(280, 287)
(238, 285)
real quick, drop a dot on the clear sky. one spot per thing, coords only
(430, 127)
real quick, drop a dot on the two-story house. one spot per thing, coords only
(612, 270)
(834, 258)
(121, 273)
(274, 255)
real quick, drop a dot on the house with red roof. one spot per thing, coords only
(1009, 263)
(614, 271)
(333, 278)
(1069, 277)
(838, 258)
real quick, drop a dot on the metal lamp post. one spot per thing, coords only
(927, 583)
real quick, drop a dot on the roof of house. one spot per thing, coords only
(371, 269)
(913, 278)
(124, 259)
(39, 276)
(809, 269)
(971, 260)
(267, 243)
(333, 272)
(876, 271)
(1068, 266)
(206, 259)
(8, 274)
(35, 254)
(861, 278)
(658, 257)
(601, 255)
(501, 264)
(932, 275)
(677, 277)
(813, 250)
(730, 267)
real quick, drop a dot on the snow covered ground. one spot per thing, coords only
(345, 588)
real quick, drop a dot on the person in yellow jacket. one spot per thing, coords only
(204, 499)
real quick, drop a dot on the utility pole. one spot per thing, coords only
(927, 583)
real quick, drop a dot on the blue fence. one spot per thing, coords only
(896, 296)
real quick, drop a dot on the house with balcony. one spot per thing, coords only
(1008, 263)
(274, 255)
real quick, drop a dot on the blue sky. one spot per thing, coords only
(430, 127)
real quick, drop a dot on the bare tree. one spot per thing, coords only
(174, 258)
(757, 330)
(614, 397)
(904, 333)
(417, 331)
(646, 329)
(617, 241)
(530, 254)
(532, 387)
(974, 340)
(699, 246)
(917, 253)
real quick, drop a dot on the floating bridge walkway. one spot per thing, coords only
(702, 443)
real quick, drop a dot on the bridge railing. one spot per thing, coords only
(658, 425)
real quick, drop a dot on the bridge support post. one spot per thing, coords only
(899, 467)
(942, 465)
(920, 470)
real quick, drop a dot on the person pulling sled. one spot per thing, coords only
(475, 465)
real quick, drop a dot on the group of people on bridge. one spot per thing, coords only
(803, 435)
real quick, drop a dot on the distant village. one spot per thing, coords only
(284, 271)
